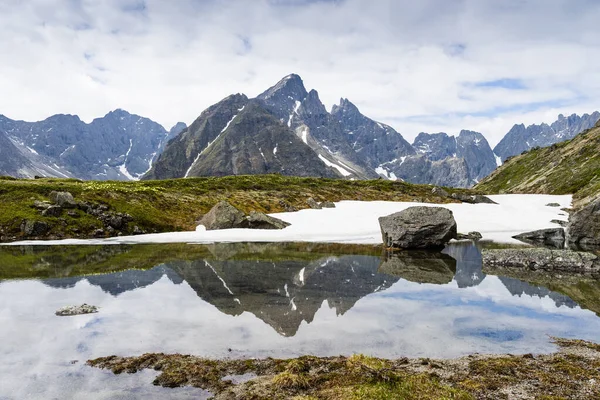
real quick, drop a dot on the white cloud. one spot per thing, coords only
(417, 66)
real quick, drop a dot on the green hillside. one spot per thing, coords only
(570, 167)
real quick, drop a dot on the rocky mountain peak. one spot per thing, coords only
(346, 107)
(177, 128)
(312, 104)
(290, 87)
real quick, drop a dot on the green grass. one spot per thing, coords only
(176, 205)
(570, 167)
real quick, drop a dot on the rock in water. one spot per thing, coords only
(418, 228)
(258, 220)
(469, 236)
(553, 237)
(223, 216)
(584, 226)
(76, 310)
(63, 199)
(542, 260)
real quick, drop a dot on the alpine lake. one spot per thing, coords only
(259, 300)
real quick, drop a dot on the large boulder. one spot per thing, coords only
(63, 199)
(223, 216)
(418, 228)
(552, 237)
(258, 220)
(34, 228)
(584, 226)
(472, 198)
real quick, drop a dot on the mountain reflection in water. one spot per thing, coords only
(285, 293)
(259, 300)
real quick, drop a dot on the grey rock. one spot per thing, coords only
(34, 228)
(584, 226)
(472, 198)
(312, 203)
(117, 222)
(41, 205)
(541, 259)
(99, 233)
(418, 228)
(76, 310)
(553, 237)
(138, 231)
(63, 199)
(552, 205)
(287, 207)
(559, 222)
(521, 138)
(327, 204)
(258, 220)
(438, 191)
(419, 266)
(469, 236)
(223, 216)
(52, 211)
(73, 214)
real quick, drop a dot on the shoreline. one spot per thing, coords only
(573, 372)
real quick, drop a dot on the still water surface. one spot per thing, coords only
(256, 300)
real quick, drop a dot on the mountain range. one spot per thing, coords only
(118, 146)
(285, 130)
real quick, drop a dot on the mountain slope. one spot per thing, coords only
(256, 142)
(521, 138)
(446, 160)
(376, 143)
(568, 167)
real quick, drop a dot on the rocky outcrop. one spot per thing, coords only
(258, 220)
(553, 237)
(225, 216)
(312, 203)
(473, 198)
(584, 226)
(418, 228)
(545, 260)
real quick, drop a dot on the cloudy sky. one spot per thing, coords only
(427, 65)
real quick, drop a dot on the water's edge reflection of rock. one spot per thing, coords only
(284, 288)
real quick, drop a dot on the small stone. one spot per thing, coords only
(73, 214)
(99, 233)
(41, 205)
(138, 231)
(76, 310)
(552, 205)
